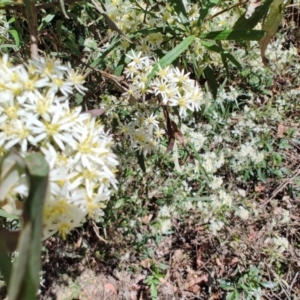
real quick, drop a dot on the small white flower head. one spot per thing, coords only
(164, 211)
(242, 193)
(215, 226)
(216, 182)
(280, 243)
(165, 226)
(242, 213)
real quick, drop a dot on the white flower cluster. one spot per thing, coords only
(35, 115)
(170, 87)
(245, 156)
(144, 132)
(279, 243)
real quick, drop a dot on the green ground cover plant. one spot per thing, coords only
(169, 134)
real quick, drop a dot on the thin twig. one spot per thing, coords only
(293, 282)
(96, 230)
(224, 10)
(282, 186)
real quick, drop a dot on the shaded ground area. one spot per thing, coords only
(186, 265)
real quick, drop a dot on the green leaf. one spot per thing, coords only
(180, 11)
(5, 263)
(16, 37)
(170, 57)
(146, 31)
(62, 5)
(161, 266)
(120, 66)
(205, 8)
(234, 35)
(244, 287)
(268, 284)
(271, 26)
(58, 27)
(78, 98)
(220, 50)
(211, 79)
(112, 46)
(4, 214)
(73, 47)
(7, 46)
(24, 281)
(261, 176)
(153, 290)
(48, 18)
(227, 287)
(259, 13)
(141, 160)
(11, 20)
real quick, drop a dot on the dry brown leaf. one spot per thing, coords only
(219, 262)
(194, 289)
(177, 254)
(111, 288)
(167, 286)
(78, 243)
(215, 296)
(259, 188)
(146, 263)
(133, 295)
(281, 130)
(253, 234)
(231, 262)
(95, 112)
(202, 278)
(199, 258)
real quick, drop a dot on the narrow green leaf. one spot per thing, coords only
(112, 46)
(4, 214)
(206, 6)
(233, 60)
(271, 25)
(259, 13)
(235, 35)
(170, 57)
(180, 11)
(220, 50)
(73, 47)
(58, 26)
(24, 282)
(212, 82)
(5, 263)
(244, 287)
(141, 160)
(16, 37)
(120, 66)
(7, 46)
(146, 31)
(227, 287)
(62, 5)
(48, 18)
